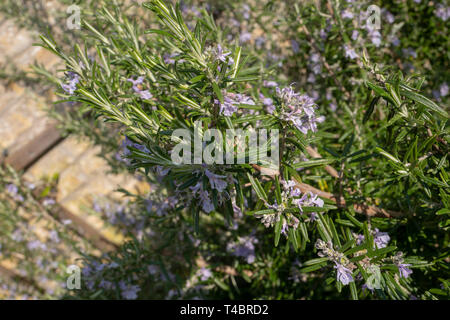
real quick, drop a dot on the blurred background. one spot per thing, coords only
(49, 179)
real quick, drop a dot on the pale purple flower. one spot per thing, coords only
(270, 83)
(313, 216)
(47, 202)
(168, 58)
(366, 287)
(284, 228)
(389, 17)
(311, 78)
(244, 247)
(105, 284)
(359, 239)
(220, 54)
(144, 94)
(315, 200)
(350, 52)
(314, 65)
(71, 86)
(404, 270)
(17, 235)
(30, 185)
(161, 171)
(443, 90)
(394, 40)
(152, 269)
(205, 199)
(410, 52)
(54, 236)
(442, 12)
(259, 42)
(381, 239)
(245, 37)
(246, 11)
(308, 200)
(125, 151)
(344, 275)
(290, 187)
(375, 37)
(228, 107)
(299, 109)
(129, 292)
(205, 274)
(237, 211)
(90, 284)
(36, 244)
(136, 82)
(315, 57)
(216, 181)
(295, 46)
(267, 102)
(231, 103)
(13, 190)
(347, 14)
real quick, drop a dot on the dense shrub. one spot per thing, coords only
(360, 205)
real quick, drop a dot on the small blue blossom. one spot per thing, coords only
(404, 270)
(71, 86)
(144, 94)
(350, 52)
(344, 275)
(129, 292)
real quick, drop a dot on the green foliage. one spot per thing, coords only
(387, 140)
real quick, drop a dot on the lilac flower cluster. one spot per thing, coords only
(403, 269)
(203, 196)
(144, 94)
(129, 292)
(342, 264)
(442, 12)
(442, 92)
(244, 247)
(315, 66)
(170, 58)
(13, 191)
(380, 239)
(290, 196)
(299, 109)
(221, 55)
(268, 103)
(73, 80)
(125, 151)
(161, 207)
(127, 217)
(231, 103)
(350, 52)
(204, 273)
(95, 276)
(216, 182)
